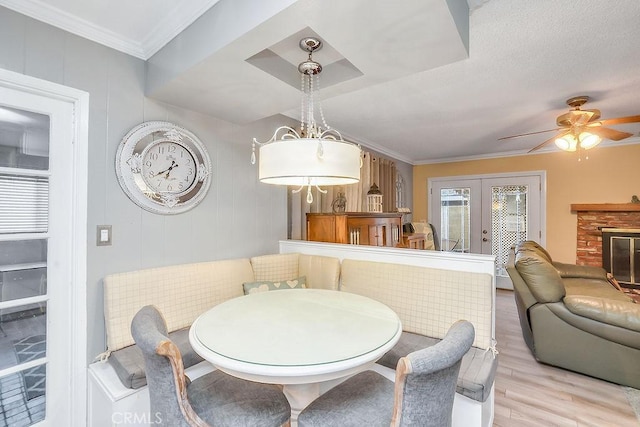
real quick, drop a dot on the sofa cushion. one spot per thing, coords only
(128, 362)
(625, 314)
(541, 277)
(593, 288)
(477, 372)
(530, 245)
(580, 271)
(266, 285)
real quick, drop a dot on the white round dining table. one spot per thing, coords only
(297, 338)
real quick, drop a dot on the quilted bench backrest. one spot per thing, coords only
(427, 300)
(181, 293)
(321, 272)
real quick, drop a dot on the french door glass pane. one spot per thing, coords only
(22, 334)
(455, 219)
(24, 204)
(508, 221)
(24, 139)
(24, 209)
(24, 404)
(23, 339)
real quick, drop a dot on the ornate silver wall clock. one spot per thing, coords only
(163, 168)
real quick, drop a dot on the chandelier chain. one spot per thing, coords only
(324, 122)
(302, 102)
(311, 125)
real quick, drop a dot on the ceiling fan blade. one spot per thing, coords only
(553, 138)
(607, 133)
(620, 120)
(530, 133)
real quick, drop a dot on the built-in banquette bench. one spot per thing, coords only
(427, 301)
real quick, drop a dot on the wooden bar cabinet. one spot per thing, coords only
(356, 228)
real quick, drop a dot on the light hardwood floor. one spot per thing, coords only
(528, 393)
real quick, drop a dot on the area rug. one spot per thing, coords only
(28, 349)
(633, 396)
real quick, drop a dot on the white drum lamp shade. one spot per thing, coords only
(301, 162)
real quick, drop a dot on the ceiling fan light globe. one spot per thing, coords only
(588, 140)
(566, 143)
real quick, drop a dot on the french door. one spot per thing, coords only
(488, 214)
(42, 242)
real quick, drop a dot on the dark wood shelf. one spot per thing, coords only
(606, 207)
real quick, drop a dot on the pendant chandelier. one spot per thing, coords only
(315, 156)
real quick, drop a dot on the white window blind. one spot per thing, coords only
(24, 204)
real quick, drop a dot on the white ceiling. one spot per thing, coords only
(420, 97)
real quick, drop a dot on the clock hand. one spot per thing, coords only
(168, 169)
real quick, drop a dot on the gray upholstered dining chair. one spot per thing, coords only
(422, 395)
(215, 399)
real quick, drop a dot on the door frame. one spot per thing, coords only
(543, 193)
(539, 174)
(79, 129)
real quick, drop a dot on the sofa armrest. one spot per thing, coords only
(619, 313)
(580, 271)
(606, 331)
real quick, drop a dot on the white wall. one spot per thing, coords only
(239, 217)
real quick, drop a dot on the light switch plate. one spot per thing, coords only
(103, 235)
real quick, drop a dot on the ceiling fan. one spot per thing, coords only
(581, 128)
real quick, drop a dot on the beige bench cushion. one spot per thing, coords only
(181, 293)
(275, 267)
(427, 300)
(477, 371)
(321, 272)
(129, 365)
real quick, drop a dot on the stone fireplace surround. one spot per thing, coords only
(592, 218)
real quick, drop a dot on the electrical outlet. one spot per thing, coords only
(103, 235)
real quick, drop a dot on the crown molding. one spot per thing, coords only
(163, 32)
(547, 150)
(173, 24)
(41, 11)
(380, 149)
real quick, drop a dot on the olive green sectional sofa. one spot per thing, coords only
(573, 318)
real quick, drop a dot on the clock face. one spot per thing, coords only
(168, 167)
(163, 168)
